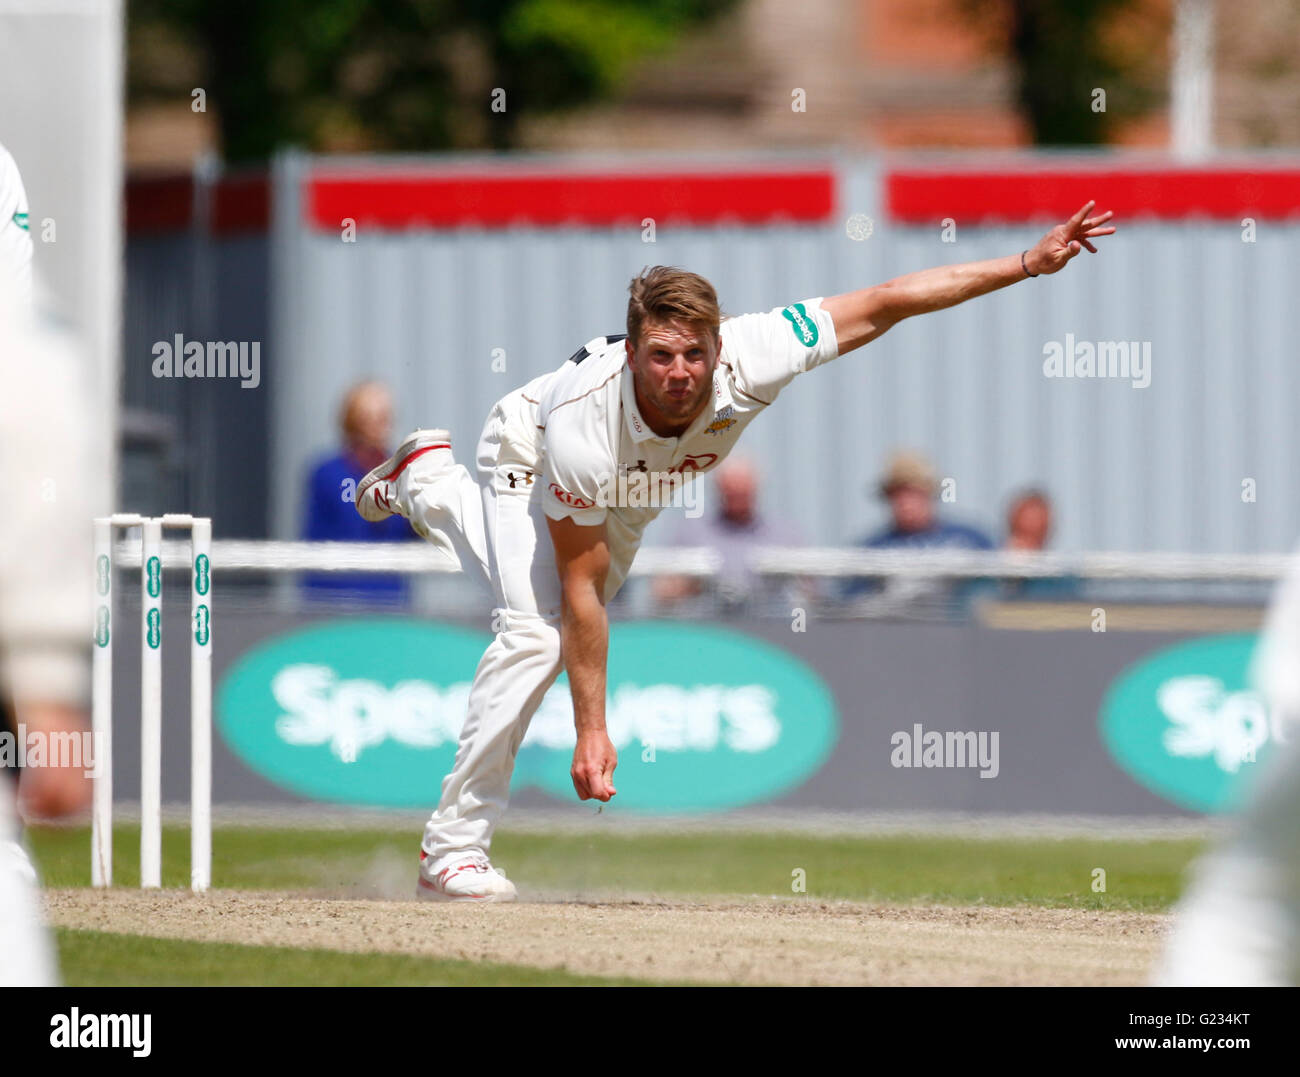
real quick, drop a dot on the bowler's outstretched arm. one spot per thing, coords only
(862, 316)
(582, 558)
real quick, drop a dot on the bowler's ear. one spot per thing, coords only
(629, 349)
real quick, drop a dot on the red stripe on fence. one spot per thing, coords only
(927, 196)
(502, 199)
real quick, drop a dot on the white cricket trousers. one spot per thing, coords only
(495, 522)
(26, 954)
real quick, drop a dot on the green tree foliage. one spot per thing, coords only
(1064, 50)
(391, 74)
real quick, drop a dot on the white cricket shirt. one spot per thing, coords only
(15, 236)
(598, 461)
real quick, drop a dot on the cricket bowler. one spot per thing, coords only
(546, 522)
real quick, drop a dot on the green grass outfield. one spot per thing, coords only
(1140, 875)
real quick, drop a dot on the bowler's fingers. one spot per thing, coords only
(1078, 218)
(591, 783)
(580, 784)
(1088, 246)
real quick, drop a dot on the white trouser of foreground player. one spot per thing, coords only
(26, 956)
(1238, 924)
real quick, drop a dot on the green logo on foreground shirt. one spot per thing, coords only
(369, 712)
(20, 219)
(805, 328)
(1184, 724)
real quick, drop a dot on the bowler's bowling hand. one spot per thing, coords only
(1064, 241)
(594, 760)
(61, 786)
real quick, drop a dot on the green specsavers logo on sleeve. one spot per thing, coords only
(369, 713)
(805, 327)
(1185, 724)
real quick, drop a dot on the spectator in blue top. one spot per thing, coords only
(909, 485)
(366, 421)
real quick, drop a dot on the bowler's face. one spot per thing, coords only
(672, 369)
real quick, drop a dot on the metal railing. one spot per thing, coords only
(249, 556)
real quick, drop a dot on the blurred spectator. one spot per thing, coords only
(366, 423)
(1029, 527)
(1029, 521)
(735, 532)
(909, 485)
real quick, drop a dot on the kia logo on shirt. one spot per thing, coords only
(572, 500)
(696, 462)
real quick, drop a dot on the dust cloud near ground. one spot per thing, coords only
(761, 941)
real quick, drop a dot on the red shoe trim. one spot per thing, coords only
(410, 457)
(437, 890)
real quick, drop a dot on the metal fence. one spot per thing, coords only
(1198, 460)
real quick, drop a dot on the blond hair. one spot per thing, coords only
(668, 294)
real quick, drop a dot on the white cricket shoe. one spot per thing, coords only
(465, 878)
(377, 492)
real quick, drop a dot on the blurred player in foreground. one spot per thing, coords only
(45, 607)
(1238, 924)
(15, 233)
(574, 465)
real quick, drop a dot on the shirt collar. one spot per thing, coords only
(637, 427)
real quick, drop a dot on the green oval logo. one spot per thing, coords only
(1186, 724)
(101, 626)
(153, 628)
(370, 712)
(103, 574)
(201, 630)
(805, 327)
(153, 577)
(201, 571)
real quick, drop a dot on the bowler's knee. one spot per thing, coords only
(530, 631)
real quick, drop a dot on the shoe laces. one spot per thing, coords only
(480, 861)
